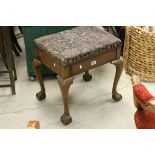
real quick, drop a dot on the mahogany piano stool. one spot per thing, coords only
(75, 51)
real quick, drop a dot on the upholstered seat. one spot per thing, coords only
(75, 44)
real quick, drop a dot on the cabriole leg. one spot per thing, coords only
(119, 67)
(36, 66)
(64, 87)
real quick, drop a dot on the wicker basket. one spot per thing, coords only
(139, 53)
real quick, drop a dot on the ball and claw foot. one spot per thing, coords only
(117, 97)
(40, 96)
(66, 119)
(87, 77)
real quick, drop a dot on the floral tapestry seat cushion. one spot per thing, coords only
(72, 45)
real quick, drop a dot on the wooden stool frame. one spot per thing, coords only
(66, 73)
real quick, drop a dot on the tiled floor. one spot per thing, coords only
(91, 105)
